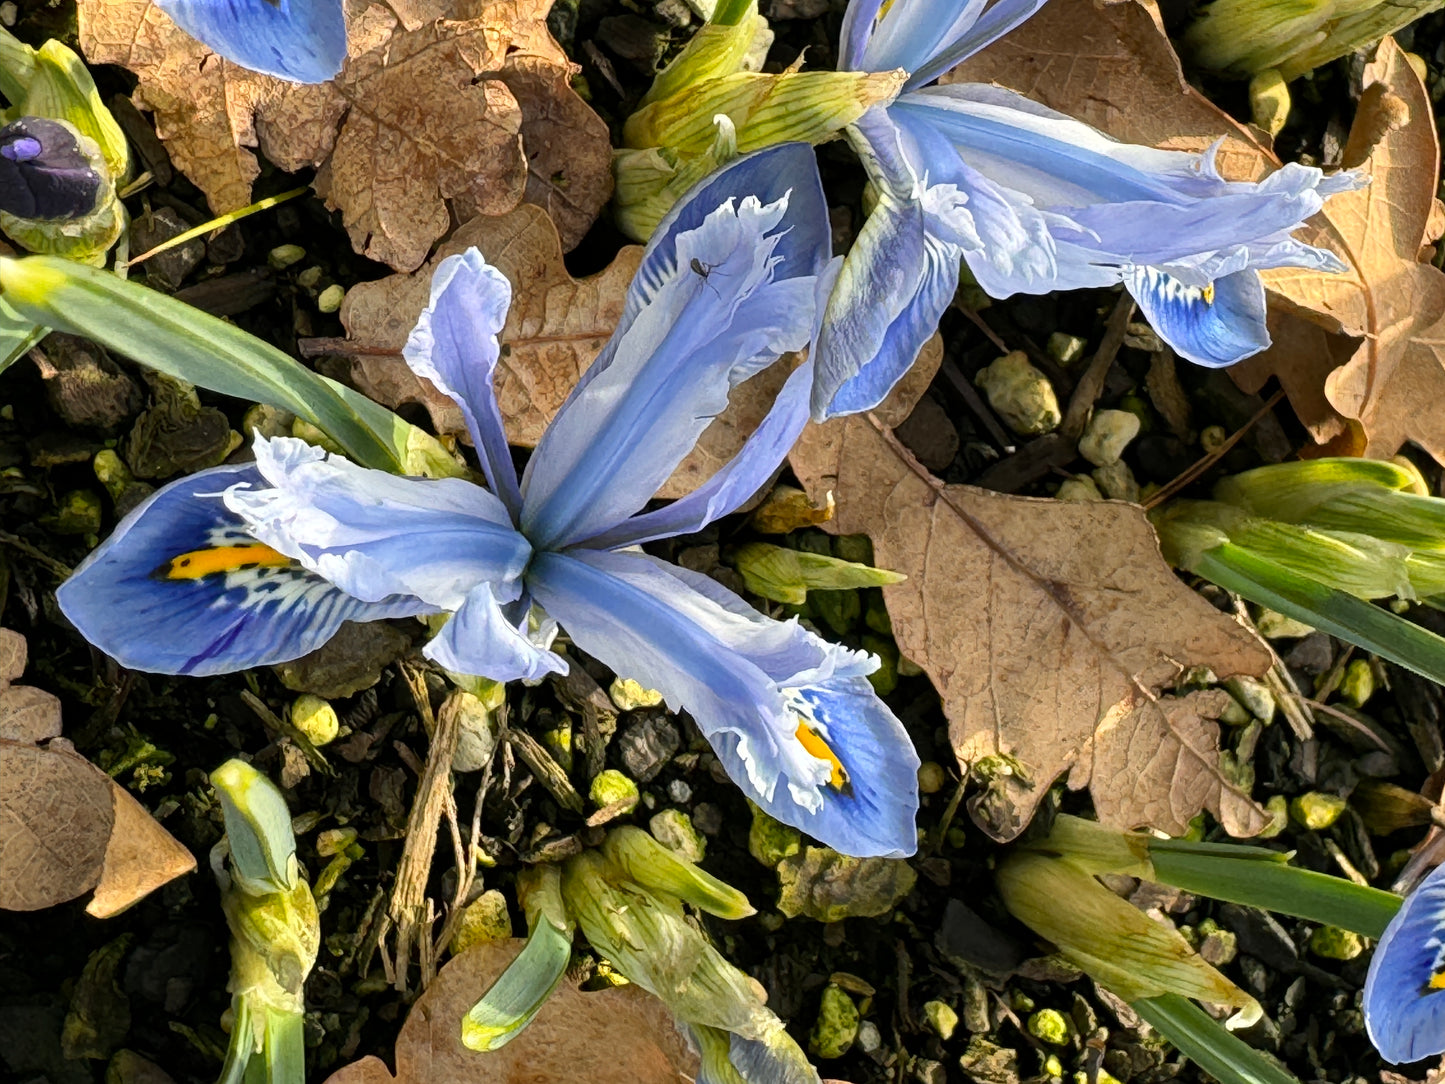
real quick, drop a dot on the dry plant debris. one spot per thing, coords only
(437, 102)
(617, 1036)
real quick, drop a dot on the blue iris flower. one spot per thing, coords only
(1035, 201)
(303, 41)
(1405, 987)
(247, 565)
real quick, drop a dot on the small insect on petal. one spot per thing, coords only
(44, 172)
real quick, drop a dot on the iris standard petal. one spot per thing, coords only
(180, 587)
(300, 40)
(993, 24)
(732, 483)
(896, 282)
(748, 471)
(728, 308)
(924, 37)
(486, 639)
(1404, 999)
(375, 534)
(454, 345)
(792, 718)
(787, 170)
(1214, 325)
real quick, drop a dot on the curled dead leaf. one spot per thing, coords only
(1384, 363)
(66, 827)
(1049, 628)
(617, 1036)
(56, 815)
(435, 103)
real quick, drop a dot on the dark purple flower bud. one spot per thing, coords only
(44, 173)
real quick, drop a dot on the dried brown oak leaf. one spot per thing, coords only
(1048, 628)
(424, 111)
(1392, 299)
(617, 1036)
(1112, 66)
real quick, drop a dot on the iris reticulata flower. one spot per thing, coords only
(303, 41)
(246, 565)
(1035, 201)
(1405, 987)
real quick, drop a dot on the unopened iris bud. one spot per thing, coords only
(706, 107)
(1110, 939)
(1243, 37)
(44, 174)
(652, 865)
(61, 160)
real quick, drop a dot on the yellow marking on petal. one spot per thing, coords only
(1209, 294)
(216, 559)
(1437, 981)
(813, 742)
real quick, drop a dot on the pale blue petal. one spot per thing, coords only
(300, 40)
(911, 32)
(784, 171)
(1114, 201)
(454, 345)
(485, 639)
(997, 21)
(896, 282)
(375, 534)
(729, 307)
(1404, 1012)
(748, 471)
(750, 683)
(924, 37)
(1217, 331)
(131, 602)
(857, 29)
(732, 483)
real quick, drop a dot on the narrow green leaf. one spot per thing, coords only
(242, 1044)
(1274, 886)
(190, 345)
(521, 991)
(17, 335)
(284, 1049)
(1207, 1043)
(1351, 619)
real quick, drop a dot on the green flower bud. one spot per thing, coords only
(1242, 37)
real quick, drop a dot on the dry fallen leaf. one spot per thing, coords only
(1392, 384)
(436, 102)
(56, 814)
(66, 826)
(1048, 628)
(617, 1036)
(554, 329)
